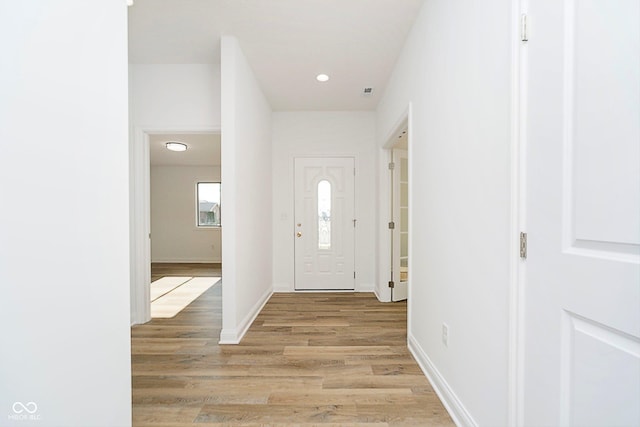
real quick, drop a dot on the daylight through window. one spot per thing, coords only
(208, 204)
(324, 215)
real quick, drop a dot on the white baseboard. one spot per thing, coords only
(229, 336)
(188, 261)
(282, 287)
(135, 321)
(234, 336)
(365, 287)
(461, 417)
(375, 291)
(382, 292)
(288, 287)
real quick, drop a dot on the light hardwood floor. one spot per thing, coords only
(159, 270)
(309, 359)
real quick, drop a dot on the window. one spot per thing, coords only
(324, 215)
(208, 194)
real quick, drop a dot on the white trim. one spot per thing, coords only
(283, 288)
(389, 138)
(140, 212)
(234, 336)
(365, 287)
(451, 402)
(140, 228)
(188, 261)
(412, 188)
(286, 288)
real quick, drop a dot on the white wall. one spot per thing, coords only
(64, 221)
(300, 134)
(164, 98)
(175, 237)
(175, 96)
(455, 70)
(246, 174)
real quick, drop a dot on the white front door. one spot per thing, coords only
(324, 228)
(582, 277)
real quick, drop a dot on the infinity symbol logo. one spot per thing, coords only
(19, 407)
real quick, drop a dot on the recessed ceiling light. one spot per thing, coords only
(129, 2)
(176, 146)
(322, 77)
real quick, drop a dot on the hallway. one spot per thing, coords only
(308, 359)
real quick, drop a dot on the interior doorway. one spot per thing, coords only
(185, 218)
(395, 212)
(185, 206)
(399, 213)
(399, 231)
(141, 233)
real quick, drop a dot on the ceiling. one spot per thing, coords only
(203, 150)
(402, 140)
(287, 43)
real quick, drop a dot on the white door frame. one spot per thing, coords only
(517, 223)
(140, 215)
(384, 203)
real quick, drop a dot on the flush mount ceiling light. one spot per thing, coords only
(176, 146)
(322, 78)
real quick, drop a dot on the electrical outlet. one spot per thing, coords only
(445, 334)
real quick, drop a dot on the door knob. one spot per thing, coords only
(299, 234)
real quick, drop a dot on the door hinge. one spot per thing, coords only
(354, 222)
(392, 225)
(524, 30)
(354, 171)
(523, 245)
(392, 284)
(354, 274)
(392, 166)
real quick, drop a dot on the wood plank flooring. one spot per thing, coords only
(159, 270)
(309, 359)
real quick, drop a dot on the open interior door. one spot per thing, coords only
(400, 227)
(581, 359)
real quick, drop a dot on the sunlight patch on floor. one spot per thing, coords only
(172, 296)
(165, 285)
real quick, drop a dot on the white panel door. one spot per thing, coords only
(582, 287)
(401, 230)
(324, 228)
